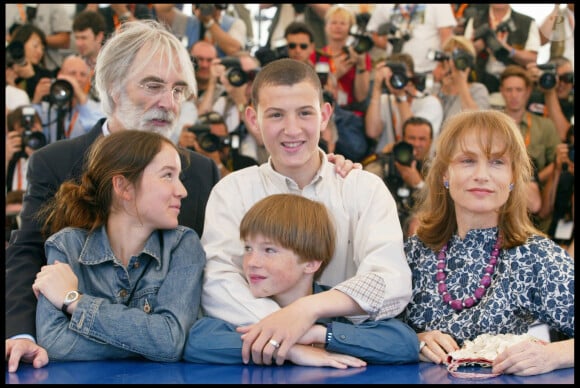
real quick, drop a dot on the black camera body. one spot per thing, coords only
(30, 138)
(403, 153)
(394, 34)
(548, 78)
(207, 140)
(399, 77)
(61, 93)
(490, 39)
(15, 54)
(362, 43)
(234, 73)
(461, 59)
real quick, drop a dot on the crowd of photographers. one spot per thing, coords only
(393, 73)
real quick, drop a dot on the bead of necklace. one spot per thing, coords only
(484, 283)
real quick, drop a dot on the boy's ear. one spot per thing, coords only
(312, 266)
(326, 113)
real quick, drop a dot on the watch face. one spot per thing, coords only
(71, 297)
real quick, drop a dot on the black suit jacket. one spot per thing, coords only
(47, 169)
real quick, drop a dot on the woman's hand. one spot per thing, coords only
(437, 346)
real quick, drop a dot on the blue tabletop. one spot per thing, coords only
(145, 372)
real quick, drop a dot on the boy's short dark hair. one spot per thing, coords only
(286, 72)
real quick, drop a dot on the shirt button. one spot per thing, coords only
(136, 265)
(123, 293)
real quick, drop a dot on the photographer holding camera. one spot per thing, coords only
(210, 137)
(394, 99)
(226, 32)
(558, 195)
(453, 81)
(350, 63)
(235, 74)
(401, 165)
(413, 29)
(501, 37)
(23, 137)
(554, 95)
(28, 44)
(16, 67)
(539, 133)
(69, 112)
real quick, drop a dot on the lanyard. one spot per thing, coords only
(22, 13)
(71, 125)
(528, 137)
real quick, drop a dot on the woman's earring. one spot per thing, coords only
(511, 186)
(446, 184)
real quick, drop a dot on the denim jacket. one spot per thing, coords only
(387, 341)
(145, 309)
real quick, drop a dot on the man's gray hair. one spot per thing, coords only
(115, 61)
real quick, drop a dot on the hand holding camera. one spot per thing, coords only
(494, 39)
(398, 78)
(29, 139)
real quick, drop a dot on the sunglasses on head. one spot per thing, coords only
(303, 46)
(567, 77)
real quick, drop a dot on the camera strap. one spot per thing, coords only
(72, 123)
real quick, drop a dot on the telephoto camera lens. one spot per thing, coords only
(403, 153)
(399, 75)
(462, 59)
(549, 77)
(34, 140)
(61, 92)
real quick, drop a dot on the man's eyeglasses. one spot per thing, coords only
(153, 88)
(303, 46)
(567, 77)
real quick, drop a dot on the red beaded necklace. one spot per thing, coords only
(485, 282)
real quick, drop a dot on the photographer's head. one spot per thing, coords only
(402, 73)
(203, 52)
(89, 32)
(34, 41)
(565, 76)
(75, 70)
(143, 74)
(418, 132)
(338, 22)
(17, 66)
(241, 70)
(300, 41)
(456, 49)
(211, 134)
(515, 86)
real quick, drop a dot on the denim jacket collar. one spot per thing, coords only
(97, 248)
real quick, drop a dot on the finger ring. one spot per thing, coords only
(421, 345)
(274, 343)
